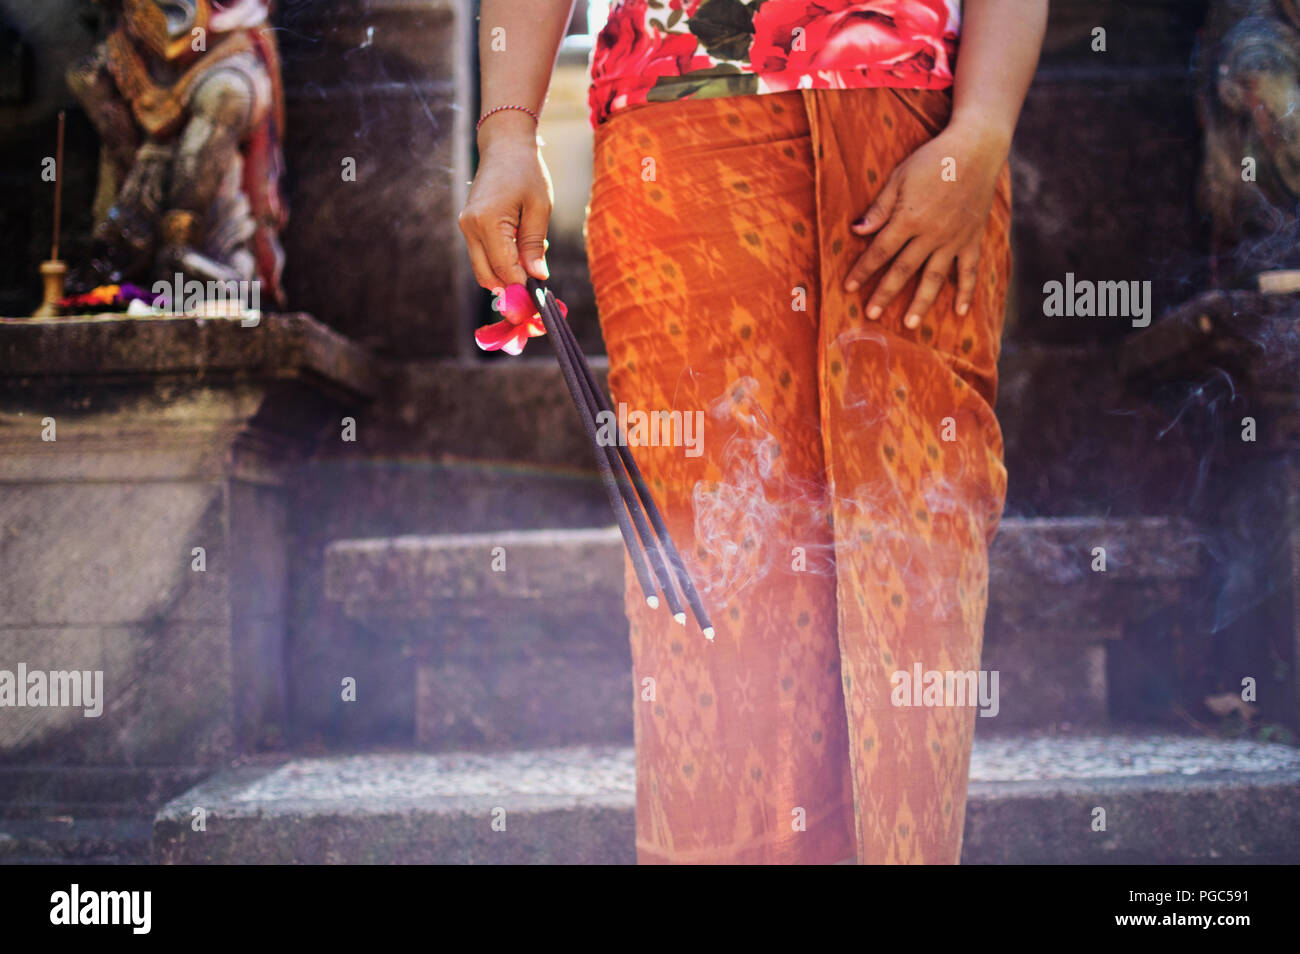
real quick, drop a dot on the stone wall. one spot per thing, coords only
(1105, 162)
(387, 83)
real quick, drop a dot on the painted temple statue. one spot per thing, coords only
(187, 98)
(1249, 104)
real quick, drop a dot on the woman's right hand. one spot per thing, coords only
(509, 205)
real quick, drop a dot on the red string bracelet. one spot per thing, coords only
(497, 109)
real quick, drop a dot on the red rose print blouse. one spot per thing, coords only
(652, 51)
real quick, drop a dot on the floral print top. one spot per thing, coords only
(652, 51)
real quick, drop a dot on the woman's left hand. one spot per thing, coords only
(924, 221)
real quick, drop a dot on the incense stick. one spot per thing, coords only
(652, 509)
(58, 189)
(594, 399)
(607, 478)
(574, 356)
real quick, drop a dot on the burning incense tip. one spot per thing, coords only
(1280, 282)
(708, 632)
(652, 602)
(680, 618)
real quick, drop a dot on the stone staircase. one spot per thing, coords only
(512, 692)
(523, 701)
(523, 697)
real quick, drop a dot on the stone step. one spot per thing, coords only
(92, 785)
(1040, 570)
(499, 439)
(68, 839)
(74, 814)
(490, 671)
(496, 654)
(1167, 800)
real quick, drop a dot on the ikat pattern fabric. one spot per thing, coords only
(851, 479)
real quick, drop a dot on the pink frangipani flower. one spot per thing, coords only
(520, 323)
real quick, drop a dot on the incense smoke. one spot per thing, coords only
(750, 522)
(759, 518)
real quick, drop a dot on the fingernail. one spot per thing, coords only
(913, 321)
(874, 312)
(540, 265)
(851, 285)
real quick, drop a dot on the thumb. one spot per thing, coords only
(881, 209)
(531, 238)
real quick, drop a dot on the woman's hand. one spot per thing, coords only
(509, 205)
(923, 223)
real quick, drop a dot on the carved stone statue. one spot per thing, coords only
(1249, 103)
(187, 99)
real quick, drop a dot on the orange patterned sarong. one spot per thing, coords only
(849, 479)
